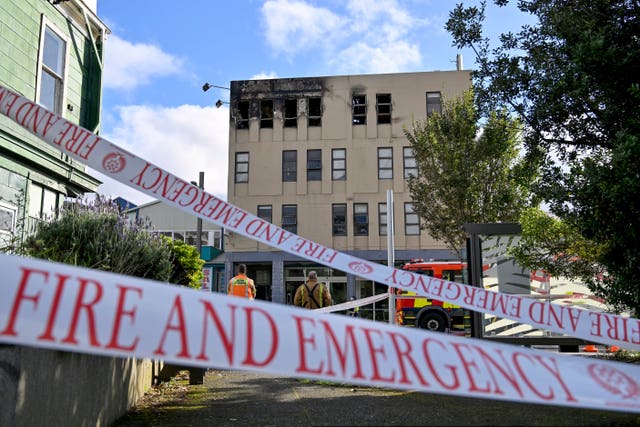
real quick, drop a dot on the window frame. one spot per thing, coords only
(242, 114)
(381, 169)
(409, 223)
(338, 210)
(239, 162)
(314, 172)
(291, 227)
(359, 109)
(383, 224)
(290, 112)
(262, 215)
(58, 77)
(361, 219)
(266, 114)
(383, 109)
(407, 169)
(431, 105)
(314, 118)
(289, 174)
(335, 164)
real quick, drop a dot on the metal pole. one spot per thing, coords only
(391, 254)
(199, 221)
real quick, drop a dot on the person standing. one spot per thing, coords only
(312, 294)
(240, 285)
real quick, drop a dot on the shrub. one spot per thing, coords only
(187, 265)
(97, 235)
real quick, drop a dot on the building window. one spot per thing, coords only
(242, 167)
(7, 219)
(383, 108)
(314, 165)
(290, 113)
(409, 161)
(411, 221)
(290, 218)
(385, 163)
(242, 116)
(360, 219)
(359, 106)
(265, 212)
(315, 111)
(434, 103)
(339, 164)
(266, 113)
(382, 219)
(52, 70)
(339, 219)
(289, 166)
(43, 202)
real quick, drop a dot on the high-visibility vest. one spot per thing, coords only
(240, 287)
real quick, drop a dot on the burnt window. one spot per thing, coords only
(289, 165)
(434, 103)
(360, 219)
(359, 109)
(383, 108)
(290, 218)
(242, 116)
(266, 113)
(339, 219)
(290, 113)
(315, 111)
(314, 165)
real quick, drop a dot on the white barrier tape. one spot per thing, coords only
(58, 306)
(137, 173)
(352, 304)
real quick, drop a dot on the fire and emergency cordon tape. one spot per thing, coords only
(57, 306)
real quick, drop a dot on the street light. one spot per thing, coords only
(207, 86)
(220, 102)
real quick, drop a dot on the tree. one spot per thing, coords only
(465, 173)
(572, 79)
(97, 235)
(187, 265)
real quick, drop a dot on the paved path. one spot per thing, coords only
(235, 398)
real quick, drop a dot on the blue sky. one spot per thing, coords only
(160, 53)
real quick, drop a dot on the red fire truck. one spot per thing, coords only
(421, 312)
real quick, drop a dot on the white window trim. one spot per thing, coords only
(45, 23)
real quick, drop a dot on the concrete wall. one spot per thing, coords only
(55, 388)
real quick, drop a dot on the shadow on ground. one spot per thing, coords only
(238, 398)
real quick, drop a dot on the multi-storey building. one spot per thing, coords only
(317, 156)
(51, 52)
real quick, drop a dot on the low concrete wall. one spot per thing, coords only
(55, 388)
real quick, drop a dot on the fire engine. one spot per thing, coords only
(425, 313)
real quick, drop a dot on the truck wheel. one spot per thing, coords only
(433, 322)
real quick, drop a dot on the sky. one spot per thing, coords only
(160, 53)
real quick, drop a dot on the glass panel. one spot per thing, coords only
(53, 55)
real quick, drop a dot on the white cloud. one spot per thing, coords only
(129, 65)
(183, 140)
(291, 26)
(368, 37)
(264, 76)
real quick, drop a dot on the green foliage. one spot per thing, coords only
(554, 246)
(97, 235)
(187, 265)
(572, 79)
(465, 173)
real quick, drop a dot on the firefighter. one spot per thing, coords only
(241, 285)
(312, 294)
